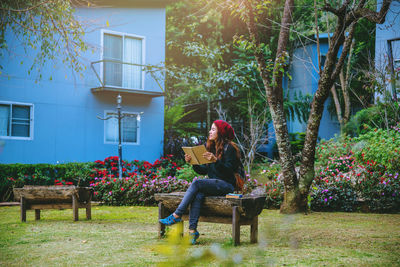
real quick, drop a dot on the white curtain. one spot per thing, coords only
(130, 130)
(112, 50)
(20, 123)
(132, 54)
(4, 120)
(111, 128)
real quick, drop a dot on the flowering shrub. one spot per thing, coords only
(333, 148)
(274, 191)
(135, 190)
(333, 192)
(380, 190)
(62, 182)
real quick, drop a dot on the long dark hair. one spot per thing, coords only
(217, 146)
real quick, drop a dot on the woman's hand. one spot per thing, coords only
(188, 158)
(210, 156)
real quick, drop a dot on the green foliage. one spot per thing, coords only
(18, 175)
(48, 27)
(296, 144)
(186, 173)
(381, 147)
(382, 115)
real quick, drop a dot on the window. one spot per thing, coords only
(129, 126)
(15, 120)
(396, 64)
(120, 52)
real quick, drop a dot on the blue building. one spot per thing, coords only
(387, 49)
(304, 71)
(56, 120)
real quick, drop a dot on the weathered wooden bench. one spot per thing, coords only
(238, 212)
(54, 197)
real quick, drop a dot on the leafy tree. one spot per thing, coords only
(348, 14)
(47, 27)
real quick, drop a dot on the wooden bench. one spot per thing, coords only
(238, 212)
(54, 197)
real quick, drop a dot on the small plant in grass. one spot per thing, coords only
(271, 171)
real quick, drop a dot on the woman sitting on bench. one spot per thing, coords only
(225, 157)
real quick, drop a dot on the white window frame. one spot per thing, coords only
(122, 34)
(31, 120)
(137, 131)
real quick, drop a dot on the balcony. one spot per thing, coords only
(124, 77)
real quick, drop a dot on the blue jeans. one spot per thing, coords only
(195, 197)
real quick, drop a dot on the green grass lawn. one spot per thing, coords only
(127, 236)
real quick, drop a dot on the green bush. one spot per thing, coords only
(382, 115)
(18, 175)
(379, 146)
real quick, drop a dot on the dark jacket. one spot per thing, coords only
(223, 168)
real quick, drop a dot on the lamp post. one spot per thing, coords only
(119, 117)
(119, 101)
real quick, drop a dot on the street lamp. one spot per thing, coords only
(120, 117)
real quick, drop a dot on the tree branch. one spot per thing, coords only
(377, 17)
(26, 9)
(345, 51)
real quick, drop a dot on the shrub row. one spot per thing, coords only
(18, 175)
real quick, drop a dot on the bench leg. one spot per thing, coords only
(254, 230)
(89, 209)
(235, 226)
(161, 215)
(37, 215)
(75, 207)
(23, 209)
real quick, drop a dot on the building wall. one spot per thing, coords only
(65, 123)
(384, 32)
(305, 77)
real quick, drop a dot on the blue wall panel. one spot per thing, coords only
(66, 128)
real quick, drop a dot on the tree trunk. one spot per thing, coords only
(274, 92)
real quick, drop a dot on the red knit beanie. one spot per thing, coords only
(225, 130)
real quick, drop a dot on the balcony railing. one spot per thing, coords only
(127, 77)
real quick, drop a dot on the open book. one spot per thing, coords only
(196, 152)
